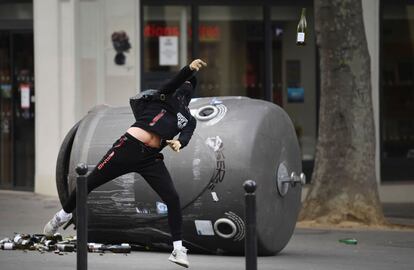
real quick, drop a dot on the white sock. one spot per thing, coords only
(178, 244)
(64, 216)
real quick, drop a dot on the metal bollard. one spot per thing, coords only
(81, 218)
(250, 247)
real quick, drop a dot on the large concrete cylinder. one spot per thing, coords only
(236, 139)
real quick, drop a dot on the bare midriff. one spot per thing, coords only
(148, 138)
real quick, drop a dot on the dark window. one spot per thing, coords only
(397, 93)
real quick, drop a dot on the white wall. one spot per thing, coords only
(68, 45)
(101, 80)
(56, 84)
(47, 80)
(75, 71)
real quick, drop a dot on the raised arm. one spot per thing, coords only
(185, 74)
(175, 82)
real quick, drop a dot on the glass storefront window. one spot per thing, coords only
(294, 74)
(17, 95)
(17, 109)
(16, 11)
(397, 96)
(167, 42)
(231, 41)
(6, 112)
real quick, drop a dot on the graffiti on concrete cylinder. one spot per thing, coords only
(216, 144)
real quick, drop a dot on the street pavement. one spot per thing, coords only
(308, 249)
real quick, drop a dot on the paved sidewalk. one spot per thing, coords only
(308, 249)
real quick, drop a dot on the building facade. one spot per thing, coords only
(59, 58)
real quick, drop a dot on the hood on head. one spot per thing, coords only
(185, 93)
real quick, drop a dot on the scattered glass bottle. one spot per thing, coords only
(301, 30)
(65, 247)
(348, 241)
(8, 246)
(5, 240)
(96, 248)
(124, 248)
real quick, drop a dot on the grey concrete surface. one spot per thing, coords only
(308, 249)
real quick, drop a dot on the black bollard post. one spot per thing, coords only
(81, 218)
(250, 247)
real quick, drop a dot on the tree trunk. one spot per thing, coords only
(344, 186)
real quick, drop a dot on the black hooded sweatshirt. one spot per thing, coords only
(168, 118)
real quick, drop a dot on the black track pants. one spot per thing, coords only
(130, 155)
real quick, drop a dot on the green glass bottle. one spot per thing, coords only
(348, 241)
(301, 30)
